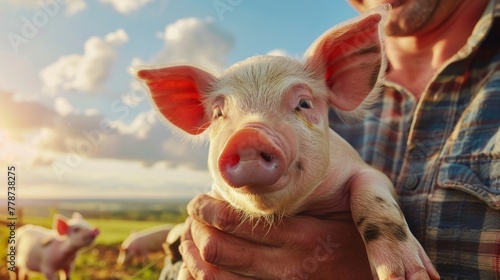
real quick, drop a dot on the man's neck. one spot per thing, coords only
(414, 60)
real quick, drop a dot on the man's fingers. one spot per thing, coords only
(195, 268)
(212, 246)
(213, 211)
(257, 261)
(184, 273)
(220, 215)
(294, 248)
(208, 245)
(186, 235)
(198, 269)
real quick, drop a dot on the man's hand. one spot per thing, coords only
(217, 245)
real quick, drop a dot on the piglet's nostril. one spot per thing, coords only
(234, 160)
(267, 157)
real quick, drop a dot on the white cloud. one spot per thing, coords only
(117, 38)
(62, 106)
(85, 72)
(197, 42)
(278, 52)
(153, 142)
(18, 117)
(75, 6)
(136, 96)
(26, 85)
(33, 127)
(91, 112)
(140, 126)
(137, 90)
(126, 6)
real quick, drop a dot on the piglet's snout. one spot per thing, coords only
(253, 158)
(94, 233)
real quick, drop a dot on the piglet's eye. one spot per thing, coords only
(217, 112)
(304, 104)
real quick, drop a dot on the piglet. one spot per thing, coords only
(39, 249)
(272, 153)
(139, 244)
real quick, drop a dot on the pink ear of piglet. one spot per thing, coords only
(178, 93)
(350, 57)
(61, 224)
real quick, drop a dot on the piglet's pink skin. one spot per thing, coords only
(51, 251)
(272, 152)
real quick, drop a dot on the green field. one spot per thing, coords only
(99, 261)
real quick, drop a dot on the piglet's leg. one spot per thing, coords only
(393, 251)
(65, 274)
(50, 274)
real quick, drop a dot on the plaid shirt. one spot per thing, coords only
(442, 152)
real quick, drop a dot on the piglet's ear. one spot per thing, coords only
(77, 216)
(60, 224)
(350, 58)
(177, 93)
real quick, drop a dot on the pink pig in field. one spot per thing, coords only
(39, 249)
(272, 152)
(139, 244)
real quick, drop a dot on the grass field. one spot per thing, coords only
(98, 261)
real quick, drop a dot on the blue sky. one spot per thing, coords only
(76, 123)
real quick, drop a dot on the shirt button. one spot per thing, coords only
(411, 182)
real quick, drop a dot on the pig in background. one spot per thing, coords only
(138, 245)
(272, 153)
(50, 252)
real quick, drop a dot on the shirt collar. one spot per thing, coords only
(480, 31)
